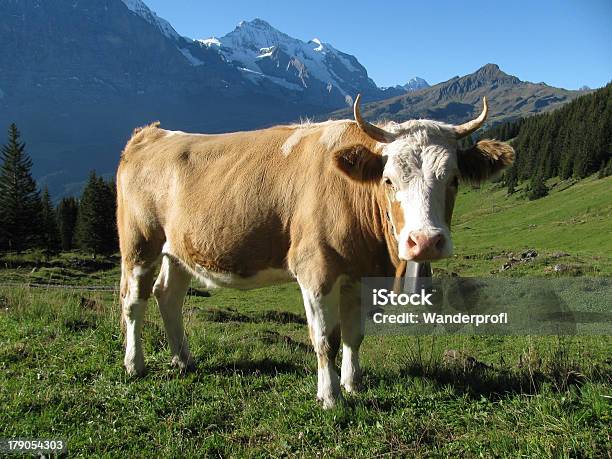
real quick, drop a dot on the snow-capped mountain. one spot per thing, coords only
(416, 83)
(267, 56)
(311, 71)
(413, 85)
(314, 72)
(138, 7)
(78, 76)
(183, 44)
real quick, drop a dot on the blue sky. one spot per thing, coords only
(563, 43)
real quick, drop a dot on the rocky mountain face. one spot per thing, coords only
(141, 9)
(313, 70)
(416, 83)
(77, 76)
(460, 98)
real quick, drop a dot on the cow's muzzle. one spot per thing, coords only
(426, 245)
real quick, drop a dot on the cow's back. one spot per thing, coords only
(221, 202)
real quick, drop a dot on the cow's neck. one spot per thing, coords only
(384, 223)
(371, 211)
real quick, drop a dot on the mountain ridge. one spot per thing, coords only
(141, 9)
(315, 68)
(82, 75)
(460, 98)
(415, 84)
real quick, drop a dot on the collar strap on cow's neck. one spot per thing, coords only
(399, 275)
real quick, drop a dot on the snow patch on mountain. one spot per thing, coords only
(256, 77)
(254, 45)
(416, 83)
(138, 7)
(317, 42)
(266, 52)
(208, 42)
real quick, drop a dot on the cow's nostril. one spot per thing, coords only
(411, 242)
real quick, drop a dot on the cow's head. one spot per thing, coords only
(419, 166)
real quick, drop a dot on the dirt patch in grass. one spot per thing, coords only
(272, 337)
(232, 315)
(15, 353)
(91, 304)
(265, 366)
(79, 324)
(280, 317)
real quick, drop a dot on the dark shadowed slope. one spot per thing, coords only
(459, 98)
(77, 77)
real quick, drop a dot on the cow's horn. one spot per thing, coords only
(466, 129)
(373, 131)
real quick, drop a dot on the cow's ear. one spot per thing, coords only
(359, 163)
(484, 160)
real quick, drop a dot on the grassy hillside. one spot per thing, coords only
(252, 394)
(575, 218)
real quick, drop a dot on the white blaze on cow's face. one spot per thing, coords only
(420, 177)
(419, 170)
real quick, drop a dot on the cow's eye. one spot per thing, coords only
(387, 181)
(455, 182)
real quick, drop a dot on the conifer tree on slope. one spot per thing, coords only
(19, 197)
(96, 227)
(67, 211)
(573, 141)
(49, 238)
(538, 188)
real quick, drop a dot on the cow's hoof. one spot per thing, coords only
(351, 387)
(184, 365)
(135, 369)
(351, 381)
(331, 402)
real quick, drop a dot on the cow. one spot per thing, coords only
(321, 203)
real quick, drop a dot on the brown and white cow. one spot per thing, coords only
(322, 203)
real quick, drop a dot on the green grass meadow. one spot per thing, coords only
(253, 392)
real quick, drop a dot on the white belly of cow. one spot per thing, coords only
(270, 276)
(213, 279)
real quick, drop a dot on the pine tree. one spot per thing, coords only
(96, 225)
(19, 197)
(608, 169)
(605, 170)
(67, 211)
(49, 238)
(538, 188)
(572, 141)
(511, 180)
(566, 160)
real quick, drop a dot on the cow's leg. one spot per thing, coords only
(169, 290)
(136, 284)
(352, 323)
(322, 311)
